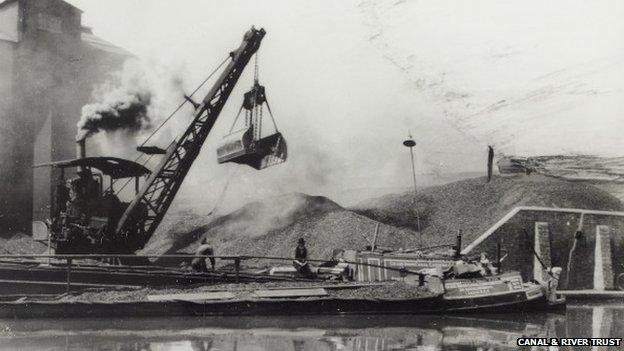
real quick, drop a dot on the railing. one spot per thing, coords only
(69, 262)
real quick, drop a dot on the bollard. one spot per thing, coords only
(499, 266)
(237, 267)
(458, 244)
(69, 264)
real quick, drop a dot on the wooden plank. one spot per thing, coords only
(290, 292)
(592, 293)
(331, 286)
(216, 295)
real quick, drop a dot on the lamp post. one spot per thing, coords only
(410, 143)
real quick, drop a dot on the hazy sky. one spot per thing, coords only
(347, 80)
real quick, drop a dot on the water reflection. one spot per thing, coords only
(352, 333)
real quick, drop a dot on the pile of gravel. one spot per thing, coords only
(473, 205)
(272, 228)
(394, 290)
(390, 290)
(21, 244)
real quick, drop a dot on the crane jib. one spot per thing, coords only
(143, 215)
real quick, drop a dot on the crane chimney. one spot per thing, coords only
(81, 151)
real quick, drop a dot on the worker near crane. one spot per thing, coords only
(199, 263)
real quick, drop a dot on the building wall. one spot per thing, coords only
(562, 227)
(9, 137)
(51, 76)
(9, 17)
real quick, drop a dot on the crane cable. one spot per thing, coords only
(270, 113)
(222, 195)
(169, 118)
(256, 79)
(266, 100)
(185, 101)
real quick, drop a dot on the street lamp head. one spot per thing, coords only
(409, 143)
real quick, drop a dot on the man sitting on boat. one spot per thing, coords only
(301, 258)
(472, 268)
(487, 268)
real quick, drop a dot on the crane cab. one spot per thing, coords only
(86, 208)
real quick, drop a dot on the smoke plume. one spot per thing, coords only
(122, 110)
(131, 103)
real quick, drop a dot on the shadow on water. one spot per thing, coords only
(350, 333)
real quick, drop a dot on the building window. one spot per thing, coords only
(50, 23)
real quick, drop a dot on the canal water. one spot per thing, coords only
(349, 333)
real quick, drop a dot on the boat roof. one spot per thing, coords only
(111, 166)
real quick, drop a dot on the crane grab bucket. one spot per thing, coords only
(241, 147)
(248, 146)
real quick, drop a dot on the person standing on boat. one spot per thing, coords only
(199, 263)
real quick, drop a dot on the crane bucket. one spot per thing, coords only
(240, 147)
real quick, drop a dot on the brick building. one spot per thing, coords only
(49, 64)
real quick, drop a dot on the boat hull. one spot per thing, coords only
(265, 307)
(36, 279)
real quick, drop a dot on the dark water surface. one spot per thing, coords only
(351, 333)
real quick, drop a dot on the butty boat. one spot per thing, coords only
(449, 284)
(457, 285)
(461, 288)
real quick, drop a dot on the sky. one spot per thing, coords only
(347, 80)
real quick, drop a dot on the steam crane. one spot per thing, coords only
(97, 222)
(154, 199)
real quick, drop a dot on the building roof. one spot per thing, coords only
(91, 41)
(6, 2)
(98, 43)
